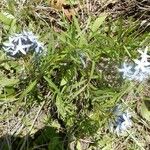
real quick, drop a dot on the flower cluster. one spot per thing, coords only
(22, 43)
(140, 70)
(121, 123)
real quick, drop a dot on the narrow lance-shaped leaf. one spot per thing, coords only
(145, 112)
(82, 40)
(8, 82)
(98, 22)
(52, 85)
(59, 101)
(5, 19)
(28, 89)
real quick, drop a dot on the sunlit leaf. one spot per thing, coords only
(5, 99)
(79, 147)
(63, 82)
(28, 89)
(145, 111)
(52, 85)
(60, 106)
(98, 22)
(59, 102)
(8, 82)
(5, 18)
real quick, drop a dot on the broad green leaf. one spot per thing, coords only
(63, 82)
(145, 111)
(79, 147)
(28, 89)
(8, 82)
(9, 90)
(6, 19)
(13, 26)
(5, 99)
(98, 22)
(52, 85)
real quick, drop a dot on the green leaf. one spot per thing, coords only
(13, 26)
(59, 101)
(145, 110)
(28, 89)
(60, 106)
(92, 70)
(49, 136)
(98, 22)
(52, 85)
(78, 84)
(79, 147)
(76, 23)
(63, 82)
(5, 99)
(82, 39)
(5, 18)
(8, 82)
(74, 95)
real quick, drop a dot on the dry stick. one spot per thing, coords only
(32, 125)
(40, 146)
(36, 117)
(86, 141)
(8, 128)
(135, 140)
(87, 5)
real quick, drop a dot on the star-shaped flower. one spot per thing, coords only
(20, 48)
(144, 55)
(141, 65)
(126, 70)
(22, 44)
(30, 36)
(8, 45)
(140, 77)
(140, 70)
(39, 47)
(122, 123)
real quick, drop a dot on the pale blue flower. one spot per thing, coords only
(144, 56)
(140, 70)
(21, 48)
(30, 36)
(121, 123)
(21, 44)
(126, 70)
(140, 65)
(39, 47)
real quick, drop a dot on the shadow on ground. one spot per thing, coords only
(44, 139)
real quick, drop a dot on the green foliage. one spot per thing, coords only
(98, 22)
(49, 135)
(5, 19)
(145, 110)
(75, 76)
